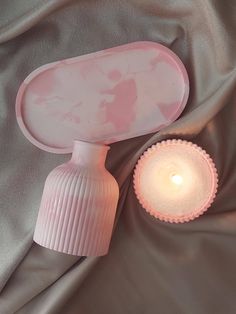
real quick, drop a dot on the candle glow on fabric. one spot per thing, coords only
(175, 180)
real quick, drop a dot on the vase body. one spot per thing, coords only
(78, 206)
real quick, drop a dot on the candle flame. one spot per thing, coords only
(177, 179)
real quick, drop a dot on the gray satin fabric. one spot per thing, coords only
(153, 267)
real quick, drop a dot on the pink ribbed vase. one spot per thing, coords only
(78, 206)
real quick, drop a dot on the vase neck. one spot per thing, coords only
(89, 154)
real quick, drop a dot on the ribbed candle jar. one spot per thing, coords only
(78, 206)
(175, 181)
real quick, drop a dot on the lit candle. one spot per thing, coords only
(175, 181)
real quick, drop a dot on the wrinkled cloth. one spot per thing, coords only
(152, 267)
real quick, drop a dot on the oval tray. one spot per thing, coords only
(103, 97)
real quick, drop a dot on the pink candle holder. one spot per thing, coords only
(175, 181)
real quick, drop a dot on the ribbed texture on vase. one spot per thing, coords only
(77, 211)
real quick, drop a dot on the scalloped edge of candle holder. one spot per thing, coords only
(171, 218)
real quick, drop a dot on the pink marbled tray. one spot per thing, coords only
(103, 97)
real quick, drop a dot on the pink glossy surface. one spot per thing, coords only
(78, 205)
(104, 97)
(175, 181)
